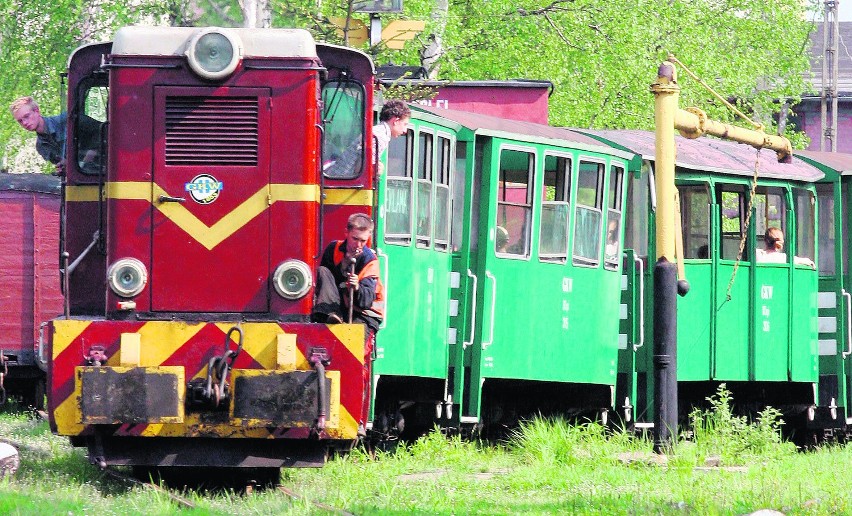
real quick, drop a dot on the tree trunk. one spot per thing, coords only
(256, 13)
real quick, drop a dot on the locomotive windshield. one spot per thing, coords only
(343, 144)
(90, 121)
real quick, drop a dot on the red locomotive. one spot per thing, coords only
(193, 223)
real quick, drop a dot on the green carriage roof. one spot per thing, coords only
(713, 155)
(521, 130)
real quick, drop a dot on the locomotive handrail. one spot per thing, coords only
(86, 251)
(321, 129)
(381, 254)
(467, 343)
(641, 263)
(848, 321)
(493, 306)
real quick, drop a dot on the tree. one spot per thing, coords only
(36, 38)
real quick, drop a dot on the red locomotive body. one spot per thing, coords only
(29, 207)
(194, 221)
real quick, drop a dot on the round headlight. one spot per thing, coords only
(292, 279)
(214, 53)
(127, 277)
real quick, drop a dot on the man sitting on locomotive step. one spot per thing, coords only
(350, 268)
(350, 264)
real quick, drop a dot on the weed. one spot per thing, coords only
(717, 431)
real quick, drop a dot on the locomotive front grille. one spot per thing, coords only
(211, 131)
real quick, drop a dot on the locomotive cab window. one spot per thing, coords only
(732, 204)
(398, 189)
(555, 206)
(425, 154)
(612, 249)
(343, 139)
(89, 129)
(588, 216)
(695, 216)
(514, 202)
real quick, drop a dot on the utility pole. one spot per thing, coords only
(828, 100)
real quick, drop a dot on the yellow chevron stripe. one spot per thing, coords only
(293, 193)
(82, 193)
(160, 339)
(65, 331)
(349, 197)
(351, 336)
(211, 236)
(260, 340)
(67, 415)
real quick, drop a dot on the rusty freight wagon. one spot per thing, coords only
(29, 280)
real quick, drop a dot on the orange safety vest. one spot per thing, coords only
(368, 270)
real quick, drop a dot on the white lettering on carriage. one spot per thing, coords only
(766, 292)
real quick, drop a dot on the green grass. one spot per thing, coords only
(547, 467)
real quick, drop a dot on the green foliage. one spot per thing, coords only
(36, 39)
(555, 441)
(736, 440)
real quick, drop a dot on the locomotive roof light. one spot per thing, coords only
(292, 279)
(127, 277)
(214, 53)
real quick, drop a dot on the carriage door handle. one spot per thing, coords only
(467, 343)
(493, 305)
(169, 198)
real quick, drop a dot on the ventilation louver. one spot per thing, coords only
(211, 131)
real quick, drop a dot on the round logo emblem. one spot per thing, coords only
(204, 188)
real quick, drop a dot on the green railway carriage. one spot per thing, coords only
(834, 196)
(500, 242)
(747, 323)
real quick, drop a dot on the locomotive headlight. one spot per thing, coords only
(127, 277)
(214, 53)
(292, 279)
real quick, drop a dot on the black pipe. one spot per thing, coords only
(665, 355)
(323, 395)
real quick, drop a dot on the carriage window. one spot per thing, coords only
(827, 242)
(733, 207)
(514, 202)
(612, 251)
(343, 119)
(398, 189)
(553, 241)
(425, 155)
(695, 220)
(770, 211)
(458, 177)
(90, 127)
(636, 223)
(805, 247)
(442, 193)
(588, 213)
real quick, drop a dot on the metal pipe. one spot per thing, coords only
(693, 123)
(666, 93)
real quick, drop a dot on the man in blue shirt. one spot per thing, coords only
(50, 131)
